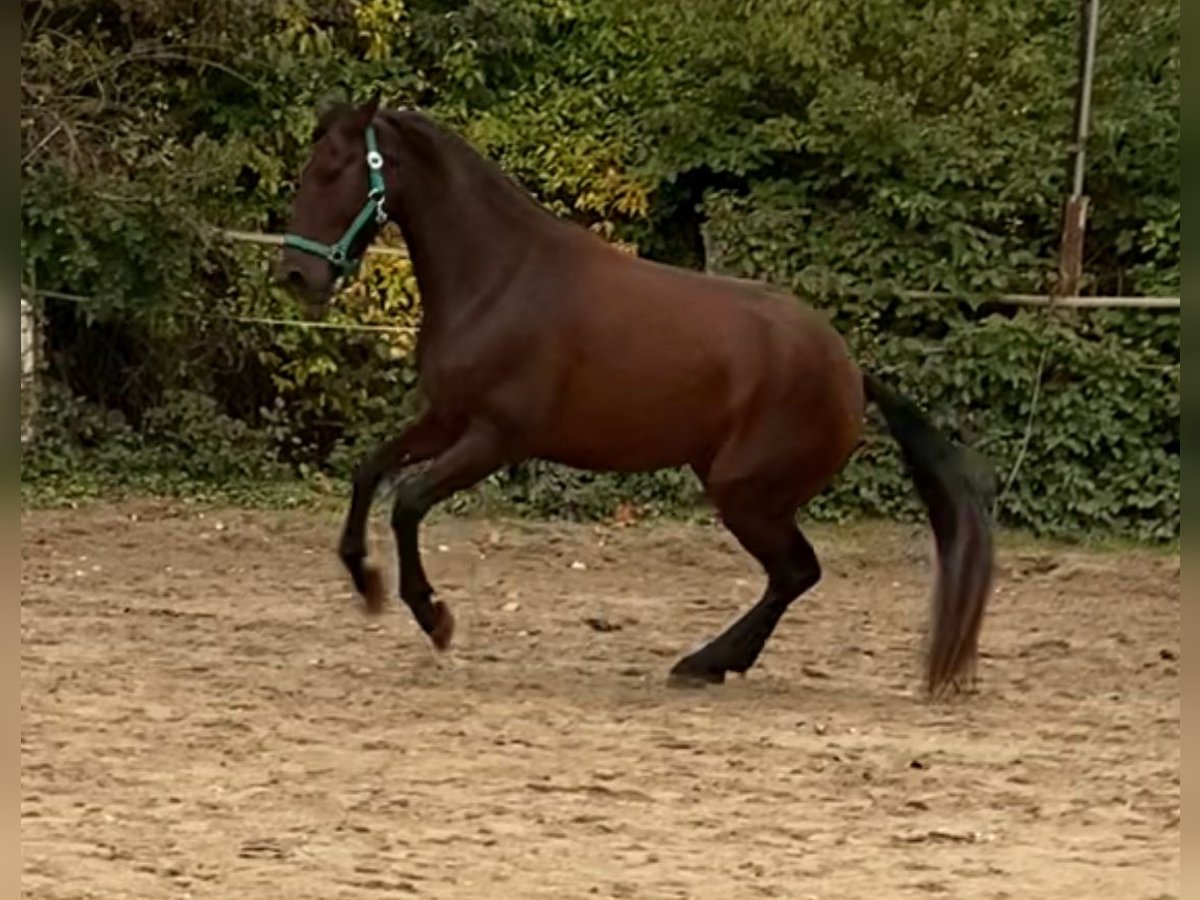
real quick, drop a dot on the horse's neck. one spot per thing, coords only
(465, 238)
(449, 246)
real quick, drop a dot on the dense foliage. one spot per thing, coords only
(841, 148)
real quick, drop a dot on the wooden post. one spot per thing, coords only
(1070, 254)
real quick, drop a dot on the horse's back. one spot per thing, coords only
(764, 340)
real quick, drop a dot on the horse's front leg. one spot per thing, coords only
(476, 454)
(423, 439)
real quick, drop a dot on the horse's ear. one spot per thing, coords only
(333, 109)
(365, 113)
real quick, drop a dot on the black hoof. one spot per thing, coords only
(355, 565)
(693, 673)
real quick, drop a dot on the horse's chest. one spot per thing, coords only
(440, 382)
(451, 379)
(505, 378)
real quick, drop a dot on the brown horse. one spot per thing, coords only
(541, 341)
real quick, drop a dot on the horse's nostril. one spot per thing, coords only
(294, 280)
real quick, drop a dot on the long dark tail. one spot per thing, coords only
(956, 491)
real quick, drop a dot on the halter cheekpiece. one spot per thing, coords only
(338, 254)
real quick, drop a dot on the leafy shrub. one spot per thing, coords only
(840, 150)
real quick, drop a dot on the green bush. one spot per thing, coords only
(184, 442)
(842, 150)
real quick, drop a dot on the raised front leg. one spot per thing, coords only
(475, 455)
(422, 440)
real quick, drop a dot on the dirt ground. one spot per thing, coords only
(206, 714)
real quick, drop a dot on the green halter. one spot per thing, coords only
(338, 255)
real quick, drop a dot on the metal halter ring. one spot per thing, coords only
(375, 160)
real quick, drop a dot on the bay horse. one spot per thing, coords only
(539, 340)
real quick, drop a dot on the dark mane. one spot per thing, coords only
(447, 149)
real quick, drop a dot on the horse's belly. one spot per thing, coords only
(636, 436)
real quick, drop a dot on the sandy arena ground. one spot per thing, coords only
(205, 714)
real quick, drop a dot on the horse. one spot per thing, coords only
(541, 340)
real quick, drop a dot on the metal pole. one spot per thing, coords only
(1070, 262)
(1090, 14)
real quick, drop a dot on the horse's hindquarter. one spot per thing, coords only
(663, 366)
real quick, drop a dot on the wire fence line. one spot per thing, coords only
(250, 320)
(276, 240)
(30, 293)
(28, 317)
(30, 325)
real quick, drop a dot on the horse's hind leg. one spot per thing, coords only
(767, 529)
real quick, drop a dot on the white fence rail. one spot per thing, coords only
(30, 353)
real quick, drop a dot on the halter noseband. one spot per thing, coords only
(338, 255)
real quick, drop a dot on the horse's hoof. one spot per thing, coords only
(375, 594)
(687, 674)
(443, 625)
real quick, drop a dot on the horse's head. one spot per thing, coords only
(338, 207)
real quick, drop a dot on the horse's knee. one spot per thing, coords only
(351, 552)
(411, 503)
(799, 573)
(807, 577)
(406, 513)
(402, 516)
(365, 478)
(808, 569)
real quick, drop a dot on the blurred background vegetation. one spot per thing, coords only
(842, 149)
